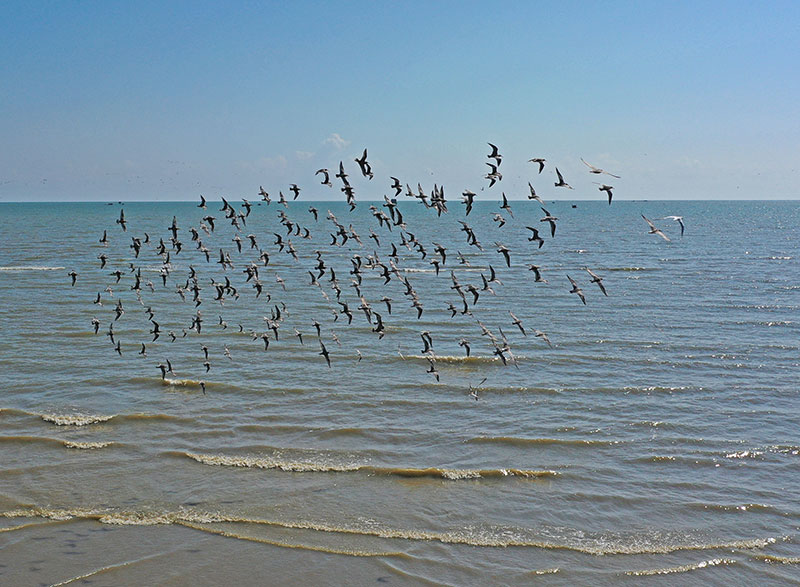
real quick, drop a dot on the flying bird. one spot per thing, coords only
(654, 230)
(597, 170)
(597, 279)
(533, 196)
(538, 160)
(576, 290)
(326, 178)
(606, 188)
(678, 219)
(561, 183)
(551, 220)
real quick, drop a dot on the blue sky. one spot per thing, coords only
(165, 101)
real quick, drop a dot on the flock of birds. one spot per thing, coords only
(249, 252)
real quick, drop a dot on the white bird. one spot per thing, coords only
(678, 219)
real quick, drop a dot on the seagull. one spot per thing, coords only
(473, 391)
(678, 219)
(121, 220)
(468, 200)
(538, 160)
(503, 250)
(505, 205)
(366, 168)
(533, 195)
(499, 219)
(495, 155)
(597, 279)
(597, 170)
(654, 230)
(552, 220)
(606, 188)
(518, 323)
(535, 237)
(324, 353)
(576, 290)
(537, 274)
(433, 370)
(326, 177)
(202, 203)
(494, 175)
(73, 275)
(561, 183)
(543, 336)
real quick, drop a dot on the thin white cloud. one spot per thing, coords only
(337, 141)
(303, 155)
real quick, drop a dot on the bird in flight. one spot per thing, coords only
(607, 189)
(597, 170)
(576, 290)
(561, 183)
(597, 279)
(654, 230)
(678, 219)
(538, 160)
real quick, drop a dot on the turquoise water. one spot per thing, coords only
(657, 436)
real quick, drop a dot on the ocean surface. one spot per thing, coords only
(657, 439)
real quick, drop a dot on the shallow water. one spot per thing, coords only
(658, 436)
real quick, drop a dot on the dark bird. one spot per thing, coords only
(468, 199)
(576, 290)
(427, 341)
(537, 274)
(326, 179)
(538, 160)
(366, 168)
(494, 175)
(597, 279)
(396, 186)
(550, 219)
(561, 183)
(518, 323)
(324, 353)
(495, 154)
(73, 275)
(607, 189)
(505, 205)
(121, 220)
(533, 196)
(503, 250)
(535, 236)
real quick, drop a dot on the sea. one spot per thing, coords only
(653, 435)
